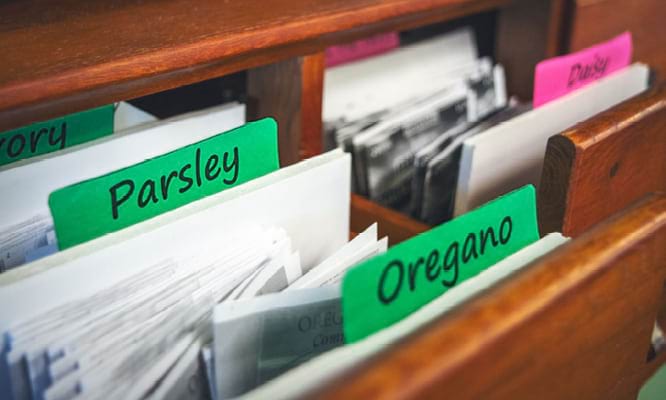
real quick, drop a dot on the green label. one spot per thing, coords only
(108, 203)
(389, 287)
(655, 387)
(56, 134)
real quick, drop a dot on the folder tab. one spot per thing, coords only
(391, 286)
(92, 208)
(558, 76)
(362, 48)
(55, 134)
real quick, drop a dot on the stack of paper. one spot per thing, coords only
(253, 289)
(403, 123)
(356, 90)
(258, 339)
(331, 270)
(436, 173)
(117, 315)
(511, 154)
(97, 343)
(307, 377)
(26, 226)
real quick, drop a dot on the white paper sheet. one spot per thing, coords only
(357, 89)
(301, 380)
(26, 188)
(510, 155)
(314, 192)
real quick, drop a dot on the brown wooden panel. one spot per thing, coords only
(290, 91)
(576, 324)
(311, 105)
(602, 165)
(65, 56)
(528, 31)
(398, 227)
(594, 21)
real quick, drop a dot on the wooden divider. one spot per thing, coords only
(576, 324)
(528, 31)
(398, 227)
(291, 92)
(602, 165)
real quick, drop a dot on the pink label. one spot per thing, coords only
(558, 76)
(336, 55)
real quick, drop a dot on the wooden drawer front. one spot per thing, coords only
(576, 324)
(602, 165)
(594, 21)
(591, 171)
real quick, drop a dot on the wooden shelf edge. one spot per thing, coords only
(32, 91)
(586, 286)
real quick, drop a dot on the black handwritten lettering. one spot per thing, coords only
(587, 72)
(13, 151)
(412, 272)
(381, 292)
(115, 202)
(211, 165)
(184, 178)
(165, 182)
(22, 144)
(505, 236)
(484, 238)
(432, 267)
(234, 165)
(444, 266)
(197, 166)
(573, 74)
(469, 248)
(143, 199)
(451, 263)
(34, 139)
(61, 138)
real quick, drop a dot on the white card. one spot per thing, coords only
(510, 155)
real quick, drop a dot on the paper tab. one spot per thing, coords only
(108, 203)
(389, 287)
(558, 76)
(55, 134)
(341, 54)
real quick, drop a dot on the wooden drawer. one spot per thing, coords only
(591, 171)
(576, 324)
(602, 165)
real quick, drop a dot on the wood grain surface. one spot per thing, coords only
(398, 227)
(66, 56)
(312, 93)
(290, 91)
(576, 324)
(602, 165)
(528, 31)
(594, 21)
